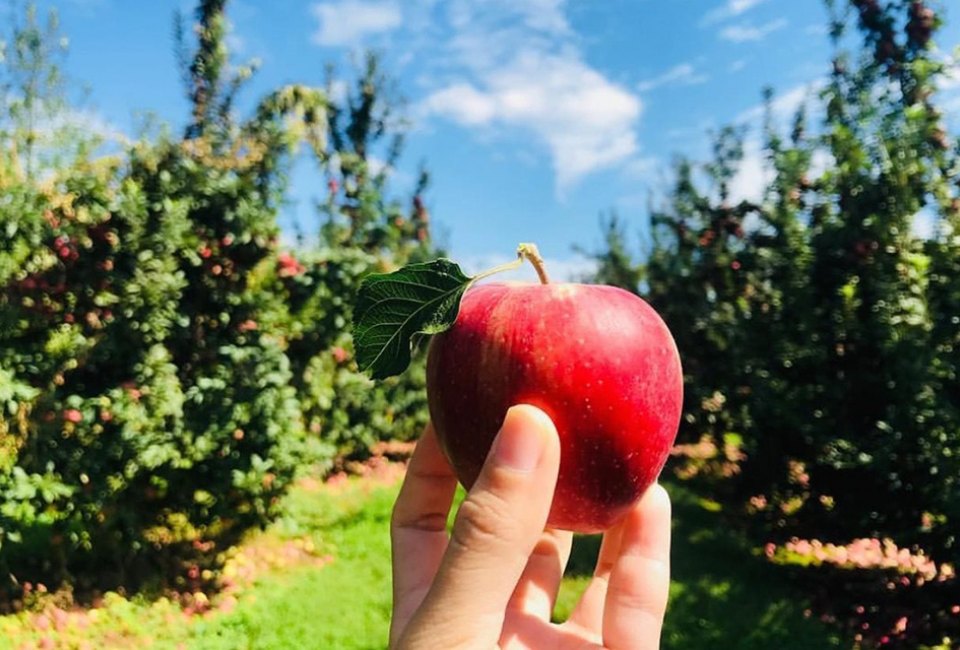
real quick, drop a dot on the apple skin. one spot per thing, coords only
(597, 359)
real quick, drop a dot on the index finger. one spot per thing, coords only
(418, 528)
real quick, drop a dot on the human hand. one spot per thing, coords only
(493, 582)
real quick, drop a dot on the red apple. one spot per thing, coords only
(597, 359)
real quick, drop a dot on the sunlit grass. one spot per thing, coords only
(722, 595)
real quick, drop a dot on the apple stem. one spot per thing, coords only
(531, 253)
(528, 252)
(509, 266)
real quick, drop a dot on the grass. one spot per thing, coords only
(344, 604)
(722, 595)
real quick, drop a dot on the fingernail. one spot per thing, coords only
(520, 443)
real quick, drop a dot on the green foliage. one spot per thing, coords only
(166, 369)
(698, 274)
(339, 403)
(32, 94)
(365, 232)
(357, 210)
(393, 307)
(615, 264)
(819, 324)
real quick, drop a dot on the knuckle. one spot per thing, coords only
(483, 522)
(429, 522)
(603, 568)
(399, 516)
(642, 585)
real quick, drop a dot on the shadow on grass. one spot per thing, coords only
(722, 595)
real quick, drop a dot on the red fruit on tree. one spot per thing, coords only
(340, 355)
(597, 359)
(288, 265)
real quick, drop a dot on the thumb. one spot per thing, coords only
(496, 530)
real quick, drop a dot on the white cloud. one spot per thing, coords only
(924, 223)
(684, 74)
(753, 175)
(690, 136)
(755, 172)
(398, 177)
(518, 66)
(948, 88)
(236, 44)
(643, 169)
(462, 103)
(737, 7)
(77, 126)
(949, 92)
(745, 32)
(339, 91)
(539, 16)
(951, 105)
(349, 22)
(784, 105)
(730, 9)
(951, 78)
(820, 162)
(501, 67)
(87, 121)
(547, 15)
(586, 121)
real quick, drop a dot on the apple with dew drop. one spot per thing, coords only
(597, 359)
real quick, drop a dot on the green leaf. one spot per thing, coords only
(393, 307)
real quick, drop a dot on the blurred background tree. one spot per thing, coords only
(819, 328)
(167, 365)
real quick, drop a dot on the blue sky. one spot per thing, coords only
(533, 116)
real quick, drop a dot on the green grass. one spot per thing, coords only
(345, 604)
(723, 596)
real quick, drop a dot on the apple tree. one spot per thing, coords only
(820, 325)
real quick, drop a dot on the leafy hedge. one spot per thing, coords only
(166, 367)
(819, 325)
(339, 404)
